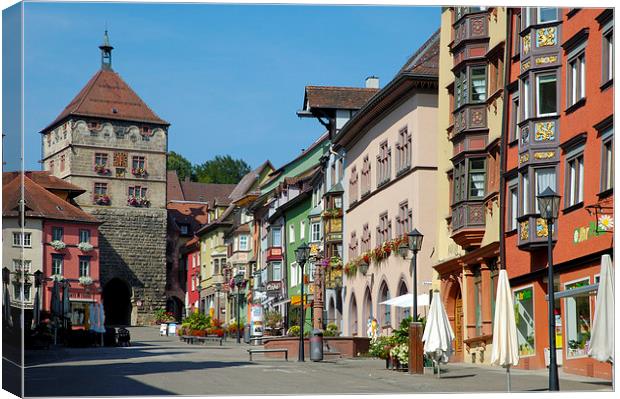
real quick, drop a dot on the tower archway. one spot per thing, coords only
(117, 302)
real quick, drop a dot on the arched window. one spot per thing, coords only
(353, 328)
(384, 313)
(403, 312)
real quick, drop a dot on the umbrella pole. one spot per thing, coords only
(508, 378)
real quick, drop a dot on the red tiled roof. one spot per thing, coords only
(39, 202)
(173, 187)
(106, 95)
(192, 214)
(334, 97)
(47, 181)
(425, 61)
(207, 192)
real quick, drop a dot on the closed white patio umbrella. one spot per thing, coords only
(602, 335)
(438, 334)
(505, 351)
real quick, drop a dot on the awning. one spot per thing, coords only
(585, 290)
(282, 302)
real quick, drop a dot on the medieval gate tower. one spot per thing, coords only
(109, 142)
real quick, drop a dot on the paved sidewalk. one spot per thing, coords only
(156, 365)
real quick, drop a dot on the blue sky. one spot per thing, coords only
(229, 78)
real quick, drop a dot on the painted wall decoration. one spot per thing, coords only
(524, 157)
(550, 59)
(541, 228)
(525, 65)
(546, 37)
(526, 44)
(545, 131)
(544, 155)
(120, 159)
(525, 227)
(584, 233)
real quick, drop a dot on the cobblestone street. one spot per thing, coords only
(156, 365)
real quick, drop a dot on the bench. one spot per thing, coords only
(284, 350)
(191, 339)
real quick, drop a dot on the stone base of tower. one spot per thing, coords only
(132, 247)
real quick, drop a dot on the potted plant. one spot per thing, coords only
(102, 170)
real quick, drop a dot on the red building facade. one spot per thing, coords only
(77, 263)
(191, 257)
(559, 132)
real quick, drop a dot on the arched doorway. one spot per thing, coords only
(175, 306)
(353, 324)
(117, 302)
(367, 309)
(454, 307)
(384, 312)
(402, 312)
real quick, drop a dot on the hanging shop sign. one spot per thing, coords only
(604, 224)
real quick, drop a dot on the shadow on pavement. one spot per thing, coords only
(456, 376)
(86, 380)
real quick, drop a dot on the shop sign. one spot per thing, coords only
(582, 234)
(273, 287)
(296, 299)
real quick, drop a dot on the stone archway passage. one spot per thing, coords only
(175, 306)
(117, 303)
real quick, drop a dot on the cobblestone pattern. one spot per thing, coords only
(132, 247)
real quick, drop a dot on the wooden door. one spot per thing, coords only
(458, 328)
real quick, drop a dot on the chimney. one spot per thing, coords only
(372, 82)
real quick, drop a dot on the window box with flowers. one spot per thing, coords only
(102, 199)
(57, 277)
(139, 172)
(102, 170)
(85, 281)
(85, 246)
(138, 202)
(58, 245)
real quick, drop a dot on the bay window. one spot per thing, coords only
(276, 237)
(547, 14)
(544, 177)
(478, 84)
(476, 178)
(470, 80)
(546, 94)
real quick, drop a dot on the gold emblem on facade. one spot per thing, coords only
(550, 59)
(541, 228)
(544, 155)
(525, 234)
(525, 65)
(524, 157)
(545, 37)
(545, 131)
(527, 44)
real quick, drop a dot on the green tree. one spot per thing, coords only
(222, 169)
(179, 163)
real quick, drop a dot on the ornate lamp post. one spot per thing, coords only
(218, 290)
(238, 284)
(6, 275)
(301, 255)
(549, 205)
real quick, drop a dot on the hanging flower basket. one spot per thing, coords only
(332, 213)
(85, 246)
(85, 280)
(58, 245)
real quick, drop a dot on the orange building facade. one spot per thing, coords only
(558, 133)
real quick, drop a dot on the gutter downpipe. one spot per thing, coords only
(502, 148)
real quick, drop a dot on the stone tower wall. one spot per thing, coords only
(132, 245)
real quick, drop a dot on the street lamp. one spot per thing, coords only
(414, 244)
(38, 278)
(549, 205)
(238, 283)
(218, 289)
(363, 267)
(6, 275)
(301, 255)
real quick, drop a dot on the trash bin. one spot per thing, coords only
(246, 334)
(316, 345)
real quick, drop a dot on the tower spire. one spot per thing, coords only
(106, 52)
